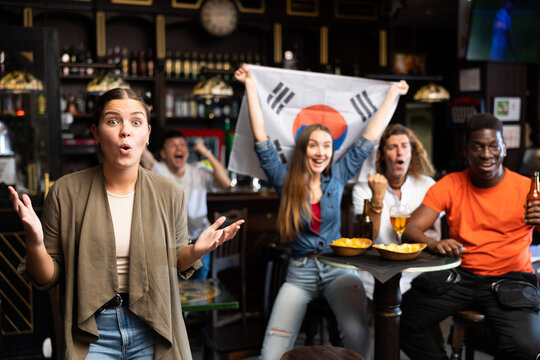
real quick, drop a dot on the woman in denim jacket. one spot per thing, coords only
(309, 219)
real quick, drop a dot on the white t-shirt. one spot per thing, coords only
(413, 191)
(196, 182)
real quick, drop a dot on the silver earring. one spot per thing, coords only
(147, 143)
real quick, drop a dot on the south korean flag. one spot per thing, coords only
(291, 100)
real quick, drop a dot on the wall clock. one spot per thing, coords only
(219, 17)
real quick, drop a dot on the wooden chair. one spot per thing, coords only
(319, 352)
(231, 255)
(320, 318)
(243, 339)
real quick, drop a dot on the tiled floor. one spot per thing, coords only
(197, 355)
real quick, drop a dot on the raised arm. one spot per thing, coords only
(39, 263)
(377, 125)
(221, 177)
(246, 77)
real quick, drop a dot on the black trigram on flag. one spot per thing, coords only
(363, 105)
(279, 97)
(277, 145)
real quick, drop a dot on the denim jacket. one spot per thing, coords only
(307, 241)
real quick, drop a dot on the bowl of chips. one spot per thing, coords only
(400, 252)
(350, 246)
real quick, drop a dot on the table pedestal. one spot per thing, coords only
(387, 297)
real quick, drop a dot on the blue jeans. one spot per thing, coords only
(202, 272)
(307, 279)
(122, 335)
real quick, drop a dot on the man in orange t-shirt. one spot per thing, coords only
(491, 231)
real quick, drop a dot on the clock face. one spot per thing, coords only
(219, 17)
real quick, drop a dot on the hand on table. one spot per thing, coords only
(447, 247)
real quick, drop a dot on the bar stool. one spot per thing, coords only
(320, 352)
(462, 321)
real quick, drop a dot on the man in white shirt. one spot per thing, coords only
(196, 180)
(402, 176)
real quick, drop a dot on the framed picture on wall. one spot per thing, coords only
(507, 108)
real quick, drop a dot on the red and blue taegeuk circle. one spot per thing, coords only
(325, 115)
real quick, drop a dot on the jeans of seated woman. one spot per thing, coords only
(122, 336)
(307, 278)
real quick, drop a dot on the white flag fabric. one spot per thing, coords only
(291, 100)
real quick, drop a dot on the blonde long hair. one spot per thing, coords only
(294, 206)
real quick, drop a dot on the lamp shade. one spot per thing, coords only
(20, 82)
(212, 87)
(432, 93)
(106, 82)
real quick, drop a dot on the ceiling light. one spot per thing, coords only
(432, 93)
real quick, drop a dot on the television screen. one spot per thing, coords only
(505, 30)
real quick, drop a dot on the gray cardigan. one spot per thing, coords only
(79, 236)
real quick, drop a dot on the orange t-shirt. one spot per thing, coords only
(490, 223)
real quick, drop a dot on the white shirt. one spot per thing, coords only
(196, 182)
(413, 191)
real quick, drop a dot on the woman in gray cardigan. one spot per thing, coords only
(115, 238)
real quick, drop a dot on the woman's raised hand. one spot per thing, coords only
(243, 73)
(212, 236)
(31, 223)
(400, 88)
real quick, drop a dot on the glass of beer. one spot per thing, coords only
(399, 216)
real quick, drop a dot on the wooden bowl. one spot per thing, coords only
(400, 252)
(350, 247)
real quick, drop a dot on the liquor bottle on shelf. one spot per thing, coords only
(2, 62)
(168, 64)
(143, 65)
(72, 105)
(202, 66)
(133, 65)
(192, 108)
(81, 103)
(194, 65)
(187, 66)
(89, 61)
(65, 59)
(73, 60)
(149, 101)
(169, 103)
(219, 66)
(177, 69)
(150, 67)
(41, 104)
(210, 63)
(90, 101)
(124, 66)
(337, 66)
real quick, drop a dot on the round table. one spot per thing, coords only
(387, 294)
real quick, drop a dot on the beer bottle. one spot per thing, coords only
(534, 192)
(366, 225)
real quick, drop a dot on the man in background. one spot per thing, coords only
(500, 40)
(403, 175)
(195, 179)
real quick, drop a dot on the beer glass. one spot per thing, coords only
(399, 216)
